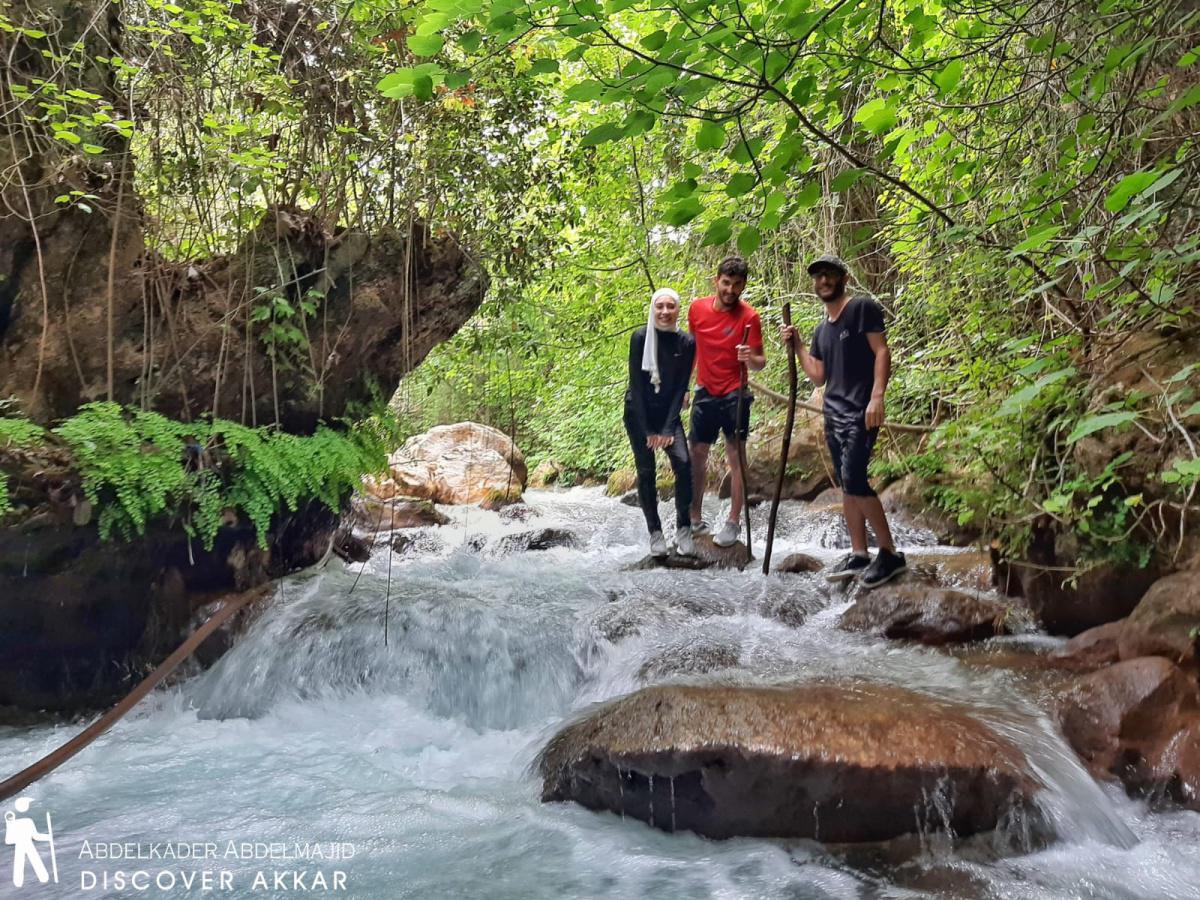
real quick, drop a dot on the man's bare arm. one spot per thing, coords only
(883, 371)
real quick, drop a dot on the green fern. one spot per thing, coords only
(15, 433)
(140, 466)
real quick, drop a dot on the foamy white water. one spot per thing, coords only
(415, 755)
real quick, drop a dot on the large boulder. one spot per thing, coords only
(1092, 649)
(908, 500)
(1067, 602)
(931, 615)
(1166, 621)
(455, 464)
(807, 472)
(834, 762)
(1138, 720)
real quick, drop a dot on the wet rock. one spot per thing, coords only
(370, 515)
(350, 548)
(545, 473)
(931, 615)
(1138, 720)
(797, 563)
(792, 609)
(708, 556)
(1166, 622)
(1091, 649)
(620, 481)
(517, 512)
(907, 500)
(630, 498)
(541, 539)
(701, 606)
(417, 543)
(455, 464)
(1101, 594)
(690, 659)
(971, 570)
(833, 762)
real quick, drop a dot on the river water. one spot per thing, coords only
(411, 759)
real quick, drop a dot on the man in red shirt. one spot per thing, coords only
(717, 323)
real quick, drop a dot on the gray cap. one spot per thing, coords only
(828, 259)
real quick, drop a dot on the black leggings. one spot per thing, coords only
(647, 487)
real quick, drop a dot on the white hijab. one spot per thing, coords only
(650, 351)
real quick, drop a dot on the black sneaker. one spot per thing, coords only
(847, 567)
(885, 567)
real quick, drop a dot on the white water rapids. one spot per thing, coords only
(416, 755)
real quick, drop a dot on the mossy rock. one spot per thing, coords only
(621, 481)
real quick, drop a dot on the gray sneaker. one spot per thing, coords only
(700, 528)
(658, 544)
(728, 534)
(684, 545)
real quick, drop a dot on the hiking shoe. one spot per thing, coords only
(847, 567)
(658, 544)
(699, 528)
(728, 534)
(885, 567)
(684, 545)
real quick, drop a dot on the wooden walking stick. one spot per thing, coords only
(787, 442)
(737, 424)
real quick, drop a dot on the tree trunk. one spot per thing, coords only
(296, 326)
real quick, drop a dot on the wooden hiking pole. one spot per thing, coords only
(737, 424)
(787, 442)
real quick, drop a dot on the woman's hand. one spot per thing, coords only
(660, 441)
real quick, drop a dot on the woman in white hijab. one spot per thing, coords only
(660, 367)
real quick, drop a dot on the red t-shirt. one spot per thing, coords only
(717, 333)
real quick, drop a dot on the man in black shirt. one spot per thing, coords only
(850, 357)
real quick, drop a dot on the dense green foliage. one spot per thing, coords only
(1017, 184)
(138, 467)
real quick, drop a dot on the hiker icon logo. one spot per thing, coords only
(21, 832)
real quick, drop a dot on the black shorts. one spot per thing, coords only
(850, 445)
(713, 415)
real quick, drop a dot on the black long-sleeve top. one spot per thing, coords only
(657, 412)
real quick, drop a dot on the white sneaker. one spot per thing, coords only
(658, 544)
(684, 545)
(728, 535)
(700, 528)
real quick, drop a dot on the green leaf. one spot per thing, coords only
(543, 67)
(1118, 198)
(654, 40)
(425, 44)
(719, 232)
(423, 87)
(584, 91)
(741, 183)
(1095, 423)
(749, 240)
(470, 41)
(846, 179)
(877, 116)
(711, 136)
(1016, 402)
(1038, 239)
(640, 122)
(809, 195)
(948, 79)
(93, 149)
(601, 134)
(1193, 410)
(683, 211)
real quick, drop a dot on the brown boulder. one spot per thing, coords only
(906, 500)
(455, 464)
(545, 473)
(1140, 721)
(690, 659)
(1091, 649)
(798, 563)
(370, 515)
(1103, 593)
(1166, 622)
(833, 762)
(931, 615)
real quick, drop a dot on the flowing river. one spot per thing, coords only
(411, 759)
